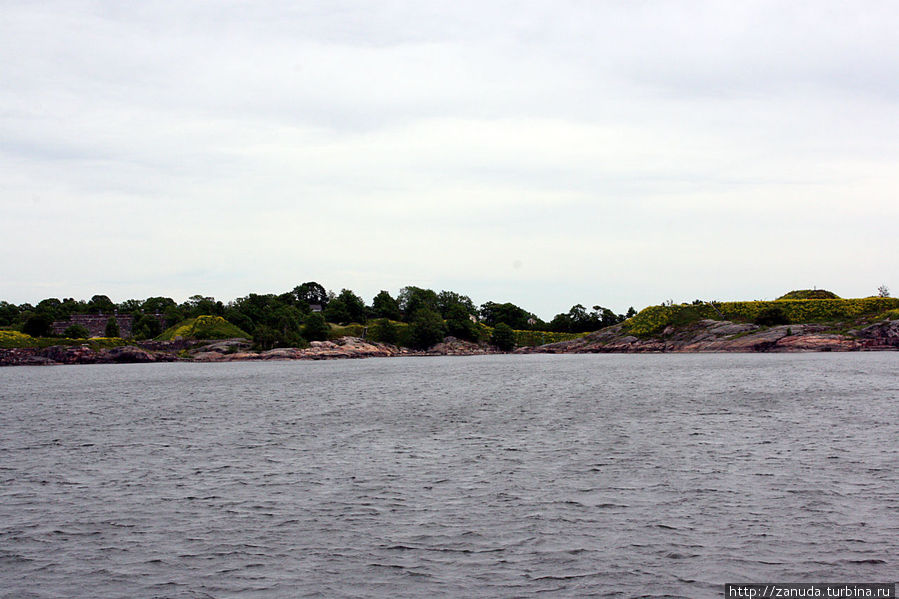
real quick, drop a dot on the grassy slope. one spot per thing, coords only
(654, 319)
(203, 327)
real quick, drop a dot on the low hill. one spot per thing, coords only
(655, 319)
(801, 294)
(203, 327)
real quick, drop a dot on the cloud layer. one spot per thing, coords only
(536, 152)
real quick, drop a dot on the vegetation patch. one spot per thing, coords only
(654, 319)
(15, 339)
(203, 327)
(11, 339)
(533, 338)
(800, 294)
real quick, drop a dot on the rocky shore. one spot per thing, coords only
(702, 336)
(726, 336)
(229, 350)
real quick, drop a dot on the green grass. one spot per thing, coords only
(809, 294)
(203, 327)
(15, 339)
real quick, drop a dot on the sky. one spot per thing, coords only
(544, 153)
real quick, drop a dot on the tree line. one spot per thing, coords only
(303, 313)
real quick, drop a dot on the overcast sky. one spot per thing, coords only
(544, 153)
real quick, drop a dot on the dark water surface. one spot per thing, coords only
(490, 476)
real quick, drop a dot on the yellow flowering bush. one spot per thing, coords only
(10, 339)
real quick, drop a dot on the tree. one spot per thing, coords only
(493, 313)
(311, 293)
(8, 313)
(100, 304)
(384, 331)
(412, 299)
(503, 337)
(426, 329)
(315, 328)
(37, 325)
(459, 324)
(345, 308)
(265, 337)
(145, 326)
(447, 300)
(157, 305)
(198, 305)
(131, 305)
(112, 328)
(578, 320)
(76, 331)
(883, 291)
(384, 306)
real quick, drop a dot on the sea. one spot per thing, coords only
(663, 475)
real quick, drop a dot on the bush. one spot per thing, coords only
(37, 325)
(112, 327)
(771, 317)
(10, 339)
(76, 331)
(503, 337)
(315, 328)
(384, 331)
(426, 329)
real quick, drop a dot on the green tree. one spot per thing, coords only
(131, 305)
(112, 327)
(345, 308)
(100, 304)
(493, 313)
(503, 337)
(145, 326)
(426, 329)
(76, 331)
(384, 331)
(315, 328)
(8, 313)
(198, 305)
(412, 299)
(311, 293)
(447, 300)
(37, 325)
(157, 305)
(459, 323)
(384, 306)
(265, 337)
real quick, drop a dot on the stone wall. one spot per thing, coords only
(96, 323)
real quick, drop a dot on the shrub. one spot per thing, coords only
(503, 337)
(426, 329)
(76, 331)
(384, 331)
(112, 328)
(10, 339)
(37, 325)
(315, 327)
(770, 317)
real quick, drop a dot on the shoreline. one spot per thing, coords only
(706, 336)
